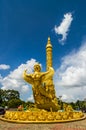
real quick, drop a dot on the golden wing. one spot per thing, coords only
(27, 77)
(48, 75)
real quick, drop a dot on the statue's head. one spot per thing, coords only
(37, 67)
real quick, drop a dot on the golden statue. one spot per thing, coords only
(43, 88)
(44, 96)
(42, 83)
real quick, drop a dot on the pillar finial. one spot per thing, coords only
(48, 38)
(48, 54)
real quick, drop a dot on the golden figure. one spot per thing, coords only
(42, 83)
(43, 88)
(44, 96)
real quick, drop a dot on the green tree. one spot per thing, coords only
(79, 104)
(30, 104)
(14, 103)
(7, 95)
(73, 105)
(11, 94)
(0, 97)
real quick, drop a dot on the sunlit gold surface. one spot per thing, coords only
(46, 103)
(48, 54)
(43, 88)
(35, 115)
(41, 116)
(42, 83)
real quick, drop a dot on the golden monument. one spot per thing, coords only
(42, 83)
(46, 104)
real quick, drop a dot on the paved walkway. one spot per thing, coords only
(78, 125)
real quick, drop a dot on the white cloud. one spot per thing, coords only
(1, 78)
(15, 80)
(69, 79)
(71, 76)
(66, 97)
(64, 26)
(30, 98)
(4, 67)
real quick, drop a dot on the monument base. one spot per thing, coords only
(41, 116)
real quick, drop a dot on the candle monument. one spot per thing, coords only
(46, 108)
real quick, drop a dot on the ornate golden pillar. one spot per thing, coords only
(48, 54)
(42, 83)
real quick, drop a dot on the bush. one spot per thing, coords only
(14, 103)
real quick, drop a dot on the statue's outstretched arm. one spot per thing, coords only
(27, 77)
(47, 75)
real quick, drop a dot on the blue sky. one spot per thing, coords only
(24, 28)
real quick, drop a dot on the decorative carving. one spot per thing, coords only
(43, 88)
(45, 99)
(42, 116)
